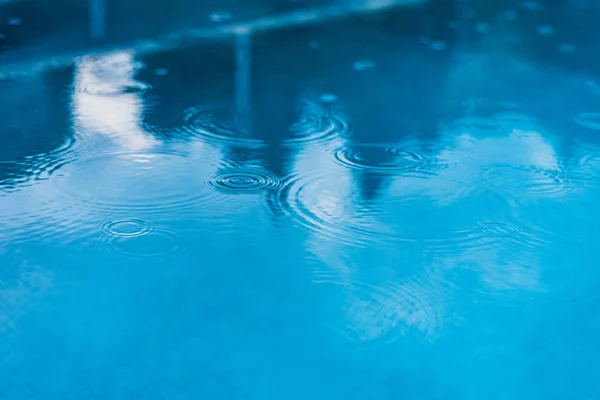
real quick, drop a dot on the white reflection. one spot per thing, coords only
(107, 100)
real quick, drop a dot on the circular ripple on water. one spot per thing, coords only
(245, 181)
(157, 183)
(330, 207)
(127, 227)
(317, 124)
(158, 242)
(519, 181)
(385, 159)
(217, 124)
(220, 125)
(29, 170)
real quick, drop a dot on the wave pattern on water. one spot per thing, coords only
(220, 124)
(245, 181)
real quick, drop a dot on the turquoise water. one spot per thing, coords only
(360, 209)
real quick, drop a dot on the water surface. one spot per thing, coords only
(360, 209)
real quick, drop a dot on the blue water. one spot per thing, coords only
(368, 208)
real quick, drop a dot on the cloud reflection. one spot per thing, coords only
(107, 100)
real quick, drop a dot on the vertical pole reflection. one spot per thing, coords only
(243, 61)
(97, 14)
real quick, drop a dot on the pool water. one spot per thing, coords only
(373, 207)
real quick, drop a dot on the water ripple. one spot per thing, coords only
(39, 167)
(518, 180)
(385, 159)
(380, 314)
(219, 124)
(329, 207)
(149, 183)
(127, 227)
(245, 181)
(141, 241)
(318, 124)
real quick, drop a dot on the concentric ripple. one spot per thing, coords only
(127, 227)
(140, 241)
(330, 207)
(219, 124)
(157, 183)
(38, 167)
(377, 158)
(245, 181)
(317, 124)
(535, 182)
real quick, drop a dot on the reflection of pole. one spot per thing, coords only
(243, 60)
(97, 18)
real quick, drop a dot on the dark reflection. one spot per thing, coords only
(186, 78)
(34, 128)
(258, 96)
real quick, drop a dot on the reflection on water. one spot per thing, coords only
(349, 210)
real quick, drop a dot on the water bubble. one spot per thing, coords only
(14, 21)
(314, 45)
(161, 71)
(245, 181)
(220, 16)
(363, 65)
(590, 120)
